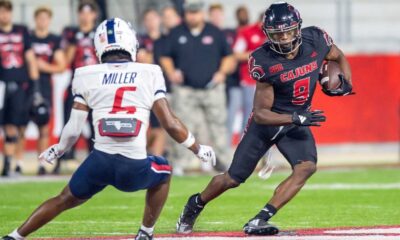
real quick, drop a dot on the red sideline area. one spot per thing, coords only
(372, 115)
(300, 232)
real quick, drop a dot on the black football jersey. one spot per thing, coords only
(13, 46)
(45, 48)
(294, 81)
(85, 51)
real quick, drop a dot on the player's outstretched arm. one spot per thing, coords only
(263, 101)
(69, 135)
(178, 131)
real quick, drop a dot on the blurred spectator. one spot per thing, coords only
(51, 60)
(152, 24)
(196, 61)
(242, 16)
(156, 138)
(248, 39)
(79, 50)
(170, 19)
(233, 90)
(18, 65)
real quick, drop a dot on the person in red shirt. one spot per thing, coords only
(248, 39)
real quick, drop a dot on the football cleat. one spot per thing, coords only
(188, 216)
(260, 227)
(142, 235)
(7, 238)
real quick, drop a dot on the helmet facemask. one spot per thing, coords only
(293, 33)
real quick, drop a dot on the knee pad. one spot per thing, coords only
(11, 139)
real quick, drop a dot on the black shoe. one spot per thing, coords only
(7, 238)
(188, 216)
(18, 170)
(6, 169)
(142, 235)
(260, 227)
(41, 171)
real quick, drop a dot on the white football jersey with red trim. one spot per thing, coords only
(121, 96)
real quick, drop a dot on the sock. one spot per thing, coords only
(195, 200)
(267, 212)
(7, 159)
(147, 230)
(16, 235)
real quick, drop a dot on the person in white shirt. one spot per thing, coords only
(121, 93)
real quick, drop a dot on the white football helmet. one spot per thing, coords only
(115, 34)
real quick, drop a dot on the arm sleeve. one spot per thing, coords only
(159, 85)
(78, 89)
(72, 129)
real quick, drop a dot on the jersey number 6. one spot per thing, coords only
(117, 106)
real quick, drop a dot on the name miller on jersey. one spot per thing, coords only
(119, 78)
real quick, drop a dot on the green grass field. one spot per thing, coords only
(334, 198)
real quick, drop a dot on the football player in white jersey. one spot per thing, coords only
(121, 93)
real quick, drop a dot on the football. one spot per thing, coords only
(329, 77)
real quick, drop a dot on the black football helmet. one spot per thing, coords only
(282, 19)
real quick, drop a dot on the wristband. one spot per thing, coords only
(190, 140)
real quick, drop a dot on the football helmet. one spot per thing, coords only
(40, 113)
(115, 34)
(282, 26)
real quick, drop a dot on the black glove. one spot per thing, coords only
(344, 89)
(313, 118)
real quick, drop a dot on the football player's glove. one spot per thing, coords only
(313, 118)
(207, 154)
(51, 154)
(344, 89)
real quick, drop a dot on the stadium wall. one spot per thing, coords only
(370, 116)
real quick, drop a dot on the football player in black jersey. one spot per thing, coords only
(286, 69)
(18, 66)
(51, 60)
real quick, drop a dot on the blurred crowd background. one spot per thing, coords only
(214, 97)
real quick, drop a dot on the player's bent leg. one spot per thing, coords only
(155, 200)
(292, 185)
(195, 204)
(49, 210)
(283, 194)
(250, 150)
